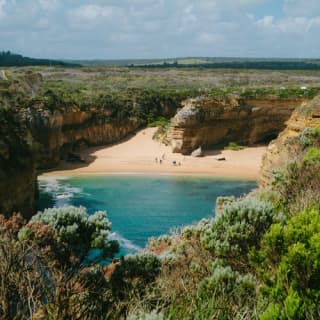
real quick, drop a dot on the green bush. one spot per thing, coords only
(139, 269)
(288, 262)
(230, 292)
(298, 186)
(233, 146)
(74, 230)
(160, 122)
(313, 154)
(238, 227)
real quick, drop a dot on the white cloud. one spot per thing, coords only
(91, 12)
(2, 5)
(209, 38)
(157, 28)
(49, 4)
(302, 8)
(289, 25)
(266, 21)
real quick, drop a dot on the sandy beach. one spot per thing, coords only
(141, 155)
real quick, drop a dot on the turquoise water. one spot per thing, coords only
(140, 207)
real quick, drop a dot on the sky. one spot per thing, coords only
(119, 29)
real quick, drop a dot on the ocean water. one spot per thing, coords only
(141, 206)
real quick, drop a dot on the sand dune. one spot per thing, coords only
(138, 155)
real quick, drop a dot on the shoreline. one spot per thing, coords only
(64, 174)
(141, 155)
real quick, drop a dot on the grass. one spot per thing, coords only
(233, 146)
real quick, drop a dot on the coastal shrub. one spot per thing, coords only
(288, 264)
(306, 137)
(20, 277)
(222, 201)
(298, 186)
(135, 270)
(74, 230)
(228, 292)
(233, 146)
(33, 286)
(131, 282)
(184, 264)
(142, 315)
(160, 122)
(313, 155)
(236, 228)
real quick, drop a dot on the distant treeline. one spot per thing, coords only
(263, 65)
(9, 59)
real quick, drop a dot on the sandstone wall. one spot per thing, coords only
(52, 135)
(18, 184)
(208, 122)
(38, 138)
(288, 146)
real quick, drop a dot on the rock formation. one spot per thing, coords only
(34, 137)
(197, 153)
(54, 134)
(18, 183)
(210, 122)
(36, 134)
(46, 138)
(3, 75)
(288, 145)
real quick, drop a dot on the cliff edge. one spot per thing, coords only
(289, 144)
(209, 122)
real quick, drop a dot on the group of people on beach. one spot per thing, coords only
(163, 157)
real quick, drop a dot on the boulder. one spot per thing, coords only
(3, 75)
(197, 153)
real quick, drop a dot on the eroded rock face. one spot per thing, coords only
(38, 139)
(288, 144)
(18, 183)
(209, 122)
(52, 135)
(34, 137)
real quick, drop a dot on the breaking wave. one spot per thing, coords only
(125, 244)
(62, 193)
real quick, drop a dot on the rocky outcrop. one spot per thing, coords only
(35, 136)
(3, 75)
(38, 139)
(18, 189)
(18, 183)
(211, 122)
(54, 134)
(288, 145)
(197, 153)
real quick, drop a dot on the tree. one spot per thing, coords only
(74, 233)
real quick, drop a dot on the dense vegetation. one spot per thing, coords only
(211, 62)
(262, 65)
(257, 259)
(119, 94)
(8, 59)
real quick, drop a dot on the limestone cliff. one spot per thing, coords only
(40, 126)
(18, 184)
(43, 139)
(209, 122)
(288, 144)
(54, 134)
(34, 136)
